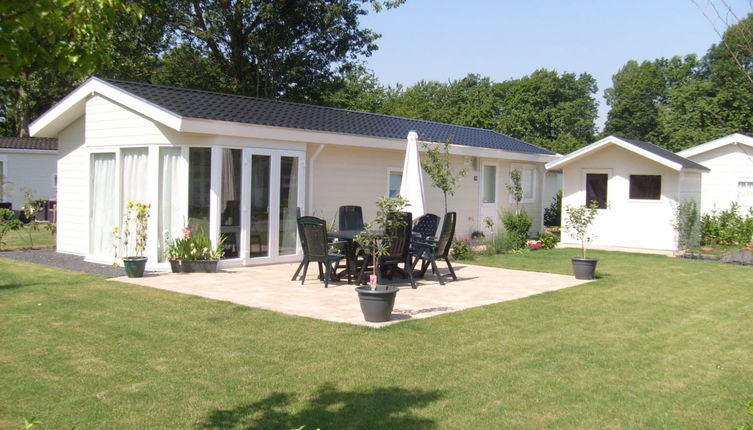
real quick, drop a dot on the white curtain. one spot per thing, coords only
(289, 180)
(104, 216)
(135, 165)
(171, 217)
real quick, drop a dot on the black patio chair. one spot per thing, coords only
(429, 251)
(313, 234)
(425, 226)
(399, 253)
(350, 218)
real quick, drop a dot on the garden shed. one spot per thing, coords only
(636, 185)
(27, 164)
(243, 167)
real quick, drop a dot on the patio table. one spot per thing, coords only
(346, 236)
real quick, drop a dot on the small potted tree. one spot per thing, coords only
(138, 215)
(377, 301)
(578, 219)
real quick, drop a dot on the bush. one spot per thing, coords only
(727, 227)
(517, 223)
(553, 214)
(548, 240)
(461, 250)
(8, 222)
(687, 224)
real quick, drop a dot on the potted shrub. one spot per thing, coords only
(193, 252)
(578, 219)
(138, 215)
(377, 301)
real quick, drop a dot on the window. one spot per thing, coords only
(490, 184)
(393, 187)
(645, 187)
(527, 181)
(745, 193)
(596, 189)
(199, 166)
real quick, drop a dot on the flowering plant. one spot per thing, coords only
(193, 246)
(136, 217)
(534, 245)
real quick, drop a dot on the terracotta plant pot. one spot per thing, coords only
(134, 266)
(377, 304)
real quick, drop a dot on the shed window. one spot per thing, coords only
(596, 189)
(745, 193)
(393, 186)
(645, 187)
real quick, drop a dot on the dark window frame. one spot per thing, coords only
(645, 187)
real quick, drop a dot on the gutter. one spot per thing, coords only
(310, 202)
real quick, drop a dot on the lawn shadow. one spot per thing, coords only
(329, 408)
(10, 286)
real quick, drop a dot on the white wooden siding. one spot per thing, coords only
(73, 190)
(29, 170)
(729, 164)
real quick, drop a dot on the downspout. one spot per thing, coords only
(310, 205)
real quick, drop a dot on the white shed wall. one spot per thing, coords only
(73, 190)
(626, 223)
(28, 170)
(729, 164)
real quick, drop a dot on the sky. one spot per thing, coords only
(505, 39)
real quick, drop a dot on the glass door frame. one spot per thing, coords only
(273, 220)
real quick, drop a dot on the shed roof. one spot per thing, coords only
(34, 143)
(645, 149)
(209, 105)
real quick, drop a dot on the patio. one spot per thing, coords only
(269, 287)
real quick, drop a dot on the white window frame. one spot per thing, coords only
(390, 172)
(483, 183)
(737, 189)
(534, 181)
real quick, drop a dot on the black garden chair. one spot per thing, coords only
(429, 251)
(399, 253)
(313, 234)
(350, 218)
(425, 227)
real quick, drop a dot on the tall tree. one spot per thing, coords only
(279, 49)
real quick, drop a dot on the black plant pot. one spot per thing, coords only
(134, 266)
(193, 266)
(584, 268)
(377, 304)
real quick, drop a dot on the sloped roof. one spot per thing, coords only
(208, 105)
(735, 138)
(645, 149)
(38, 143)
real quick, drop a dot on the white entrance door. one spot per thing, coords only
(272, 199)
(488, 196)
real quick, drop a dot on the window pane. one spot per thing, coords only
(526, 181)
(745, 193)
(259, 235)
(230, 219)
(645, 187)
(490, 184)
(288, 204)
(199, 166)
(596, 189)
(395, 179)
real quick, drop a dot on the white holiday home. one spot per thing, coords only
(27, 164)
(730, 178)
(636, 185)
(243, 167)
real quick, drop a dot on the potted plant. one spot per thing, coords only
(377, 301)
(193, 252)
(578, 219)
(138, 215)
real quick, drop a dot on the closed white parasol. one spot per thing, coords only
(412, 185)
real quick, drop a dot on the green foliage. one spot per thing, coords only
(461, 250)
(578, 220)
(193, 246)
(31, 208)
(8, 222)
(727, 227)
(687, 224)
(517, 224)
(436, 164)
(187, 67)
(515, 187)
(553, 212)
(548, 240)
(375, 240)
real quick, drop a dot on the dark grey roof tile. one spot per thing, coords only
(39, 143)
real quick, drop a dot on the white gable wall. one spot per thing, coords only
(32, 170)
(729, 164)
(73, 191)
(626, 223)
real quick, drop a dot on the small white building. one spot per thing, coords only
(637, 186)
(730, 178)
(242, 167)
(27, 163)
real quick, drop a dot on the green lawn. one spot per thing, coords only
(19, 239)
(654, 343)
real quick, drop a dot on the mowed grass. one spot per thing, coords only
(26, 237)
(654, 343)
